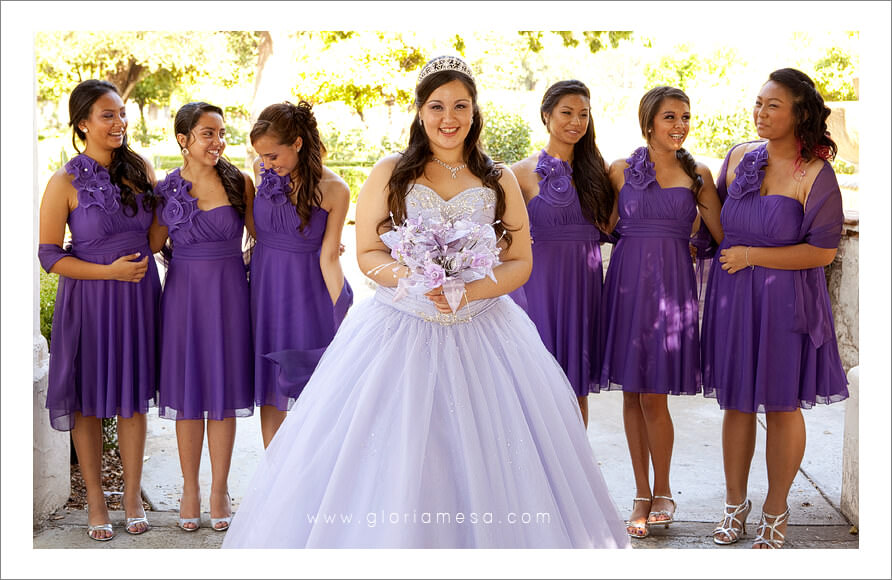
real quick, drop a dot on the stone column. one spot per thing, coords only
(848, 501)
(842, 283)
(52, 450)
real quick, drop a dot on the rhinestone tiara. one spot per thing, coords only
(442, 63)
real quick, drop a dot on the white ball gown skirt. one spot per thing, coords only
(412, 433)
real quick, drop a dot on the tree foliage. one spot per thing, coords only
(834, 74)
(592, 38)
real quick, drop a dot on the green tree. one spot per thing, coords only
(834, 74)
(592, 38)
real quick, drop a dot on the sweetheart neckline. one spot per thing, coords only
(457, 195)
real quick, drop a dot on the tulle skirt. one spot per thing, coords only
(428, 432)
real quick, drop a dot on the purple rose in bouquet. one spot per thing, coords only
(442, 253)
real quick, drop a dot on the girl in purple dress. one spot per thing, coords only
(569, 199)
(427, 428)
(298, 292)
(769, 344)
(206, 355)
(103, 349)
(649, 312)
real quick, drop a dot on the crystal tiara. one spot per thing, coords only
(442, 63)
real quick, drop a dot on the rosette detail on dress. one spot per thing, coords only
(640, 173)
(750, 172)
(179, 207)
(93, 184)
(274, 187)
(556, 185)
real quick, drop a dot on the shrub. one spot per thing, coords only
(717, 133)
(49, 283)
(354, 175)
(506, 136)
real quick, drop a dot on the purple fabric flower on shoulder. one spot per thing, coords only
(640, 172)
(179, 207)
(749, 173)
(556, 184)
(93, 184)
(274, 187)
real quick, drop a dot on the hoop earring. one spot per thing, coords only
(184, 151)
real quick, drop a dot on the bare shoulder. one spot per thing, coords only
(508, 177)
(525, 166)
(61, 180)
(249, 181)
(702, 170)
(333, 187)
(617, 167)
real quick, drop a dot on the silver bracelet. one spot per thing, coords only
(746, 256)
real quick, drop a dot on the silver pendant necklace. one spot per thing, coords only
(453, 170)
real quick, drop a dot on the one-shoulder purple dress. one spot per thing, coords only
(563, 294)
(103, 347)
(206, 355)
(769, 343)
(292, 316)
(649, 312)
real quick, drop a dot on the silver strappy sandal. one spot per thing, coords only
(730, 518)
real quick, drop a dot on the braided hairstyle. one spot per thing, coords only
(418, 153)
(127, 169)
(286, 122)
(811, 113)
(589, 174)
(647, 111)
(233, 180)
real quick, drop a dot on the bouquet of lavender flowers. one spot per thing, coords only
(442, 253)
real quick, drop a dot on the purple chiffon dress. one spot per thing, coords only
(563, 294)
(292, 316)
(206, 354)
(649, 311)
(103, 347)
(769, 343)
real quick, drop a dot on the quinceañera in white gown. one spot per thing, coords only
(425, 430)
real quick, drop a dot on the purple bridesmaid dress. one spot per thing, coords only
(769, 343)
(563, 294)
(649, 312)
(206, 355)
(292, 316)
(103, 348)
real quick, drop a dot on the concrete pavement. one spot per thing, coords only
(697, 481)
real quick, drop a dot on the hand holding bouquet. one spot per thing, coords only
(443, 253)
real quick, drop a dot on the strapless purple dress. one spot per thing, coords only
(206, 354)
(292, 316)
(769, 343)
(103, 348)
(649, 312)
(563, 294)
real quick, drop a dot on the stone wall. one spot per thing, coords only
(842, 282)
(52, 451)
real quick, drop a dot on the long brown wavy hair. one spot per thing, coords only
(647, 110)
(418, 153)
(286, 122)
(589, 174)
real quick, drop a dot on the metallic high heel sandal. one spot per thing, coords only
(226, 520)
(639, 526)
(771, 541)
(106, 527)
(730, 518)
(131, 522)
(181, 522)
(671, 514)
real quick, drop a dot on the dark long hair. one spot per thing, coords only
(286, 122)
(127, 169)
(811, 114)
(418, 153)
(647, 110)
(233, 180)
(589, 174)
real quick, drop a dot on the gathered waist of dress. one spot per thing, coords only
(209, 250)
(756, 240)
(421, 307)
(122, 242)
(295, 243)
(653, 228)
(565, 233)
